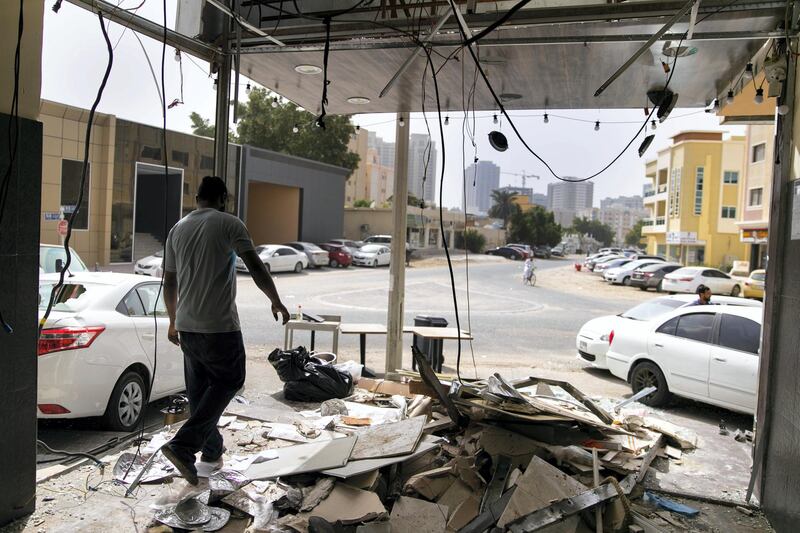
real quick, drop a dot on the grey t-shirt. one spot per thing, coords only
(202, 250)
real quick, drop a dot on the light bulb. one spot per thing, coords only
(177, 55)
(748, 72)
(446, 120)
(247, 88)
(653, 125)
(716, 104)
(729, 98)
(783, 109)
(295, 129)
(401, 121)
(215, 84)
(275, 102)
(494, 119)
(597, 126)
(546, 118)
(759, 96)
(358, 128)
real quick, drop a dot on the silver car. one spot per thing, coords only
(317, 257)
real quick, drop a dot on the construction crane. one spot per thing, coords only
(524, 175)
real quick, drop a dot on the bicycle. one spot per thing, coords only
(529, 278)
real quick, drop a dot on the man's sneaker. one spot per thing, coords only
(188, 471)
(213, 460)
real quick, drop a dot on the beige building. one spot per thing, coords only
(423, 229)
(372, 180)
(755, 194)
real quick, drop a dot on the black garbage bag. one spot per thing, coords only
(290, 364)
(322, 382)
(306, 379)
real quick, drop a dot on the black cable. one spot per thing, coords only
(499, 22)
(13, 137)
(70, 454)
(325, 81)
(89, 123)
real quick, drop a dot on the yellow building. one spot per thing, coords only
(693, 198)
(755, 194)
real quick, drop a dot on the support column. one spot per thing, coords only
(394, 337)
(222, 116)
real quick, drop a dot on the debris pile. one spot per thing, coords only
(428, 455)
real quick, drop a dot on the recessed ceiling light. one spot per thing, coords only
(358, 100)
(307, 69)
(507, 97)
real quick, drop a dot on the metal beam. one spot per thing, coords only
(516, 41)
(242, 21)
(397, 267)
(223, 108)
(149, 28)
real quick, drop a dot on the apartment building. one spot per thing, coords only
(485, 176)
(566, 198)
(693, 199)
(755, 194)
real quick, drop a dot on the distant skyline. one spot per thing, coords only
(569, 143)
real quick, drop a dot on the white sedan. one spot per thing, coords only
(277, 258)
(150, 265)
(707, 353)
(372, 255)
(99, 347)
(622, 274)
(687, 279)
(593, 338)
(317, 257)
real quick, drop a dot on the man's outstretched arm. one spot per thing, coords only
(264, 282)
(171, 301)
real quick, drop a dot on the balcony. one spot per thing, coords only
(652, 196)
(654, 225)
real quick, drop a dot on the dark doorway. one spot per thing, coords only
(151, 211)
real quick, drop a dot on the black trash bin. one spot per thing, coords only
(432, 348)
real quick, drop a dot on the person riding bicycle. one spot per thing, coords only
(527, 271)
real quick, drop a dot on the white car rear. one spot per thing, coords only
(622, 274)
(150, 265)
(687, 280)
(707, 353)
(593, 338)
(372, 255)
(277, 258)
(99, 346)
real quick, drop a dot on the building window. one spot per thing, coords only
(756, 197)
(151, 152)
(759, 153)
(180, 157)
(70, 190)
(206, 162)
(675, 193)
(698, 191)
(730, 177)
(728, 211)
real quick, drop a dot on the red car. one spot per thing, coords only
(338, 256)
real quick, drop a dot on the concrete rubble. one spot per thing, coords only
(429, 455)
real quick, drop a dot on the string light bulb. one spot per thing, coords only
(446, 120)
(597, 126)
(177, 55)
(783, 109)
(358, 127)
(494, 119)
(729, 98)
(653, 125)
(546, 118)
(402, 122)
(274, 101)
(716, 104)
(247, 88)
(215, 84)
(759, 99)
(295, 129)
(748, 72)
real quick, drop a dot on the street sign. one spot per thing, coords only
(63, 226)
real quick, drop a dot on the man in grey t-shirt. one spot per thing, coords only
(200, 294)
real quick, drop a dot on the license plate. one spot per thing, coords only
(582, 345)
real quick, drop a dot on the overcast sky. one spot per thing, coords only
(74, 59)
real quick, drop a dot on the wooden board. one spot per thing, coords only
(389, 440)
(411, 515)
(355, 468)
(303, 458)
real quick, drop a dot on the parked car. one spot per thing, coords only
(524, 247)
(600, 268)
(591, 260)
(150, 265)
(593, 338)
(507, 252)
(754, 284)
(317, 257)
(621, 275)
(52, 258)
(338, 256)
(645, 256)
(706, 353)
(277, 258)
(687, 279)
(591, 264)
(542, 251)
(386, 240)
(373, 255)
(652, 276)
(96, 352)
(611, 249)
(557, 251)
(352, 246)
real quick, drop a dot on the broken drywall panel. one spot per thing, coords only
(263, 413)
(453, 496)
(541, 484)
(303, 458)
(432, 483)
(354, 468)
(348, 505)
(465, 513)
(410, 515)
(389, 440)
(368, 481)
(497, 441)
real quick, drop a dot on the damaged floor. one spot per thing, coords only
(422, 455)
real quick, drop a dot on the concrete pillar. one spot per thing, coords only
(397, 280)
(223, 108)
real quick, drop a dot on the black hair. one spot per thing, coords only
(702, 288)
(212, 188)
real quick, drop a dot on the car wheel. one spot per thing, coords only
(647, 374)
(736, 291)
(269, 269)
(334, 263)
(643, 289)
(626, 281)
(660, 286)
(126, 405)
(374, 263)
(298, 268)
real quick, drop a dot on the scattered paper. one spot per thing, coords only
(240, 463)
(237, 425)
(225, 420)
